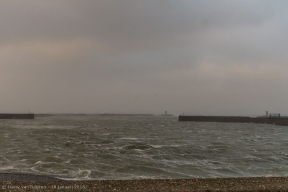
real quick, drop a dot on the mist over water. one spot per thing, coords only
(137, 147)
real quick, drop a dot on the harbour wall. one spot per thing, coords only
(16, 116)
(236, 119)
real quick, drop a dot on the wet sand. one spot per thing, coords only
(30, 182)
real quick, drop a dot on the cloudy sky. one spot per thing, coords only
(203, 57)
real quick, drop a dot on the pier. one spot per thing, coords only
(16, 116)
(277, 120)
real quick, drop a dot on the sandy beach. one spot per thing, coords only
(29, 182)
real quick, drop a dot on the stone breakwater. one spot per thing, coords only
(236, 119)
(29, 182)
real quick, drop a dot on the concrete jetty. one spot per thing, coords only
(237, 119)
(16, 116)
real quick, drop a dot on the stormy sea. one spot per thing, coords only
(141, 147)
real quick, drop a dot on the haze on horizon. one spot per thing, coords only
(134, 56)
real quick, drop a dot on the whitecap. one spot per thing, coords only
(139, 150)
(156, 146)
(47, 151)
(82, 174)
(129, 138)
(68, 161)
(174, 145)
(6, 168)
(38, 163)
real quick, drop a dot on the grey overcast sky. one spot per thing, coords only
(203, 57)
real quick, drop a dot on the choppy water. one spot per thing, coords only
(123, 147)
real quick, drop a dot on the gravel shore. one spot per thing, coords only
(28, 182)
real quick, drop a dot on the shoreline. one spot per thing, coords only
(31, 182)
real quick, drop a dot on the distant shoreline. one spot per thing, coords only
(97, 114)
